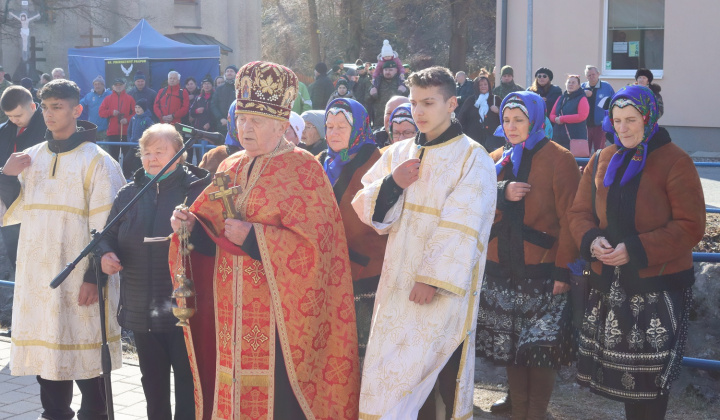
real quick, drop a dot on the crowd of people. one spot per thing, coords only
(355, 244)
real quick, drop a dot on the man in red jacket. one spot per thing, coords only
(172, 103)
(118, 108)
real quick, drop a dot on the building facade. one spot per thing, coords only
(676, 39)
(232, 24)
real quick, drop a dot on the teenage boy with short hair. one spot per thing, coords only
(25, 127)
(434, 195)
(66, 187)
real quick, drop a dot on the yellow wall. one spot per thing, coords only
(568, 35)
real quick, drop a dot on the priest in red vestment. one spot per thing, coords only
(274, 333)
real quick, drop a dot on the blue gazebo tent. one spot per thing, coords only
(144, 42)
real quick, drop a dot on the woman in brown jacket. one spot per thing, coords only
(524, 316)
(351, 153)
(637, 220)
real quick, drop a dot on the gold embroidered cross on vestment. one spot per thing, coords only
(227, 195)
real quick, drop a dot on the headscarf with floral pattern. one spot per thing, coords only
(642, 99)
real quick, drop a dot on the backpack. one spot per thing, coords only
(164, 91)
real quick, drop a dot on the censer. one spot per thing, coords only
(185, 291)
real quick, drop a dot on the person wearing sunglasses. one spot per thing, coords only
(542, 85)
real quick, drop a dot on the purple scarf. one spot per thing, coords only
(642, 99)
(359, 136)
(533, 107)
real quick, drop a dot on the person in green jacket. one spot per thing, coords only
(302, 102)
(507, 83)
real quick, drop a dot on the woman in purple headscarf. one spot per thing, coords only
(524, 317)
(351, 153)
(636, 218)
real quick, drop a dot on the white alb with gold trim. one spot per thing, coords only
(439, 230)
(63, 197)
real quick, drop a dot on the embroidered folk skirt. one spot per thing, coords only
(631, 346)
(364, 291)
(523, 323)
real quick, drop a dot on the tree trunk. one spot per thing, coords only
(313, 29)
(355, 31)
(459, 10)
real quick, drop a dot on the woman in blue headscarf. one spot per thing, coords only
(351, 153)
(524, 321)
(636, 218)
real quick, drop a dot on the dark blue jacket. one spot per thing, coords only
(568, 105)
(602, 92)
(138, 125)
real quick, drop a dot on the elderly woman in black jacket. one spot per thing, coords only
(145, 280)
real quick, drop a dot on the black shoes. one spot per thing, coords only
(502, 405)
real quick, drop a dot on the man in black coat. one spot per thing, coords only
(322, 88)
(142, 91)
(25, 127)
(222, 99)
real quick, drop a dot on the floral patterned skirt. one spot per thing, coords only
(631, 346)
(523, 323)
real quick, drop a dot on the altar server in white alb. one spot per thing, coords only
(65, 187)
(434, 195)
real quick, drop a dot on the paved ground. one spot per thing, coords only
(20, 395)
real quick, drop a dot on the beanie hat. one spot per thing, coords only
(297, 124)
(139, 75)
(119, 81)
(27, 83)
(351, 72)
(544, 70)
(101, 80)
(232, 66)
(316, 118)
(142, 103)
(644, 72)
(321, 68)
(390, 64)
(341, 81)
(507, 70)
(386, 50)
(267, 89)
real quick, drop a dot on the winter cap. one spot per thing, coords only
(297, 124)
(119, 81)
(544, 70)
(139, 76)
(232, 66)
(644, 72)
(386, 50)
(142, 103)
(507, 70)
(27, 83)
(351, 72)
(207, 79)
(337, 62)
(390, 64)
(99, 79)
(321, 68)
(267, 89)
(316, 118)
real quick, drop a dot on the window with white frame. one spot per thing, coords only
(634, 36)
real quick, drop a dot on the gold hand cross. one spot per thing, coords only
(227, 195)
